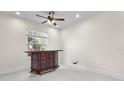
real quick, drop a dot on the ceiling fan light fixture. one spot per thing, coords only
(53, 21)
(49, 22)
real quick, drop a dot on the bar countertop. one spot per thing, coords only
(41, 51)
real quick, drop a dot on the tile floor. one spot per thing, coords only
(63, 73)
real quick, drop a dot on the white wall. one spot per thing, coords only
(97, 43)
(13, 42)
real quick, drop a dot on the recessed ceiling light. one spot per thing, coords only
(18, 13)
(77, 16)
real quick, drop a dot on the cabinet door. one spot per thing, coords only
(52, 59)
(42, 61)
(42, 65)
(34, 61)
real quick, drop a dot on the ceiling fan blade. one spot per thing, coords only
(44, 22)
(54, 24)
(59, 19)
(42, 16)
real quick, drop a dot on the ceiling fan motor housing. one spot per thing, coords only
(50, 18)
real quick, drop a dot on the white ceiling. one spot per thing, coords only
(69, 16)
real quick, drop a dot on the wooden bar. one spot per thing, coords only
(43, 61)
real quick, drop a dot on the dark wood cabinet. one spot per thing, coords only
(43, 61)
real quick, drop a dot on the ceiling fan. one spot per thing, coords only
(51, 18)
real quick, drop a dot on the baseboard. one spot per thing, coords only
(106, 72)
(101, 71)
(14, 69)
